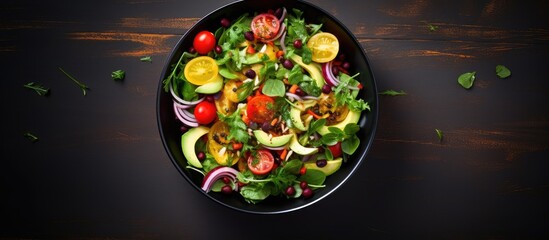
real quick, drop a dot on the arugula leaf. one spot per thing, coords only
(466, 79)
(177, 71)
(118, 75)
(33, 138)
(502, 71)
(344, 95)
(82, 86)
(39, 89)
(391, 92)
(146, 59)
(439, 134)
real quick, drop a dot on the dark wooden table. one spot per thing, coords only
(99, 170)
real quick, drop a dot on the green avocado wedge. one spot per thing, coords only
(295, 113)
(212, 86)
(270, 141)
(331, 166)
(188, 142)
(300, 149)
(352, 117)
(314, 69)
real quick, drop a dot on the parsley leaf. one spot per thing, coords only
(502, 71)
(391, 92)
(466, 79)
(238, 130)
(39, 89)
(118, 75)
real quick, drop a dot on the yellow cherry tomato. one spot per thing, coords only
(201, 70)
(324, 46)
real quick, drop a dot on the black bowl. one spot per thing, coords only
(169, 127)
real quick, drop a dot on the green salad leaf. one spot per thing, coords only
(466, 79)
(502, 71)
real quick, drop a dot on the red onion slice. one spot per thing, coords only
(216, 174)
(328, 74)
(181, 118)
(293, 96)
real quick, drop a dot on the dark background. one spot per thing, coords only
(99, 170)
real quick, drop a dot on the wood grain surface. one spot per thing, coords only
(99, 170)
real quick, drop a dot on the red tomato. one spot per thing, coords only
(205, 112)
(261, 163)
(260, 108)
(204, 42)
(265, 26)
(336, 150)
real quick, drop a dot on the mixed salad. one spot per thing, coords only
(268, 105)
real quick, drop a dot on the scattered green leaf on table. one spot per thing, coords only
(31, 137)
(466, 79)
(391, 92)
(39, 89)
(118, 75)
(439, 134)
(146, 59)
(80, 84)
(503, 71)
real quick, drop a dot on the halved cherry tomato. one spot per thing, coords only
(205, 112)
(336, 150)
(201, 70)
(217, 140)
(265, 26)
(324, 46)
(261, 163)
(204, 42)
(260, 108)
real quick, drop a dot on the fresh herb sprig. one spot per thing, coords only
(33, 138)
(118, 75)
(80, 84)
(39, 89)
(146, 59)
(440, 134)
(391, 92)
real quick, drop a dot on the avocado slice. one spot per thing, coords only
(212, 86)
(331, 166)
(270, 141)
(295, 113)
(300, 149)
(314, 69)
(188, 142)
(352, 117)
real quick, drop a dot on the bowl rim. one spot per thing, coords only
(360, 158)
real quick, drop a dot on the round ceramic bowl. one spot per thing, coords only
(169, 126)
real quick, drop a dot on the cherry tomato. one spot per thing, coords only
(265, 26)
(336, 150)
(204, 42)
(261, 163)
(260, 108)
(205, 112)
